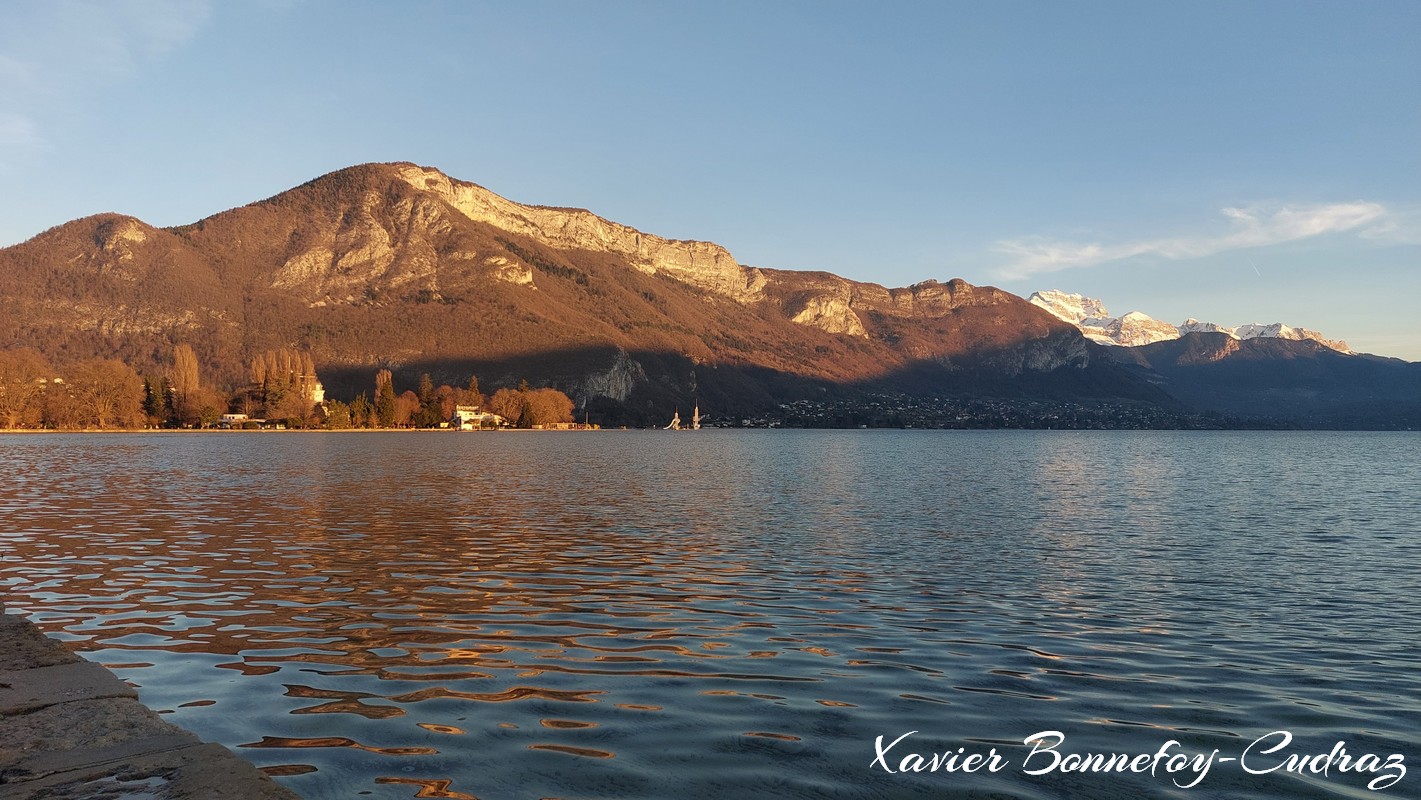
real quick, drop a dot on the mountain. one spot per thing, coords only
(1260, 375)
(1135, 328)
(1267, 378)
(401, 266)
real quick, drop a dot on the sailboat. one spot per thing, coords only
(676, 420)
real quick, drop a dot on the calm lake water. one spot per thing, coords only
(740, 614)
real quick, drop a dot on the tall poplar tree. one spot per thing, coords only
(385, 398)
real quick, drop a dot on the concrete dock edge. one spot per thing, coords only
(72, 730)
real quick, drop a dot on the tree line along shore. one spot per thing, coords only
(283, 392)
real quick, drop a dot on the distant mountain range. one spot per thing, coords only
(1136, 328)
(400, 266)
(1303, 381)
(1252, 371)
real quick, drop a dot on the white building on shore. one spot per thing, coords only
(468, 418)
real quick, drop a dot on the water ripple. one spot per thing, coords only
(715, 615)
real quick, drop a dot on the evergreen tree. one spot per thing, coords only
(473, 396)
(170, 408)
(338, 416)
(152, 403)
(361, 411)
(385, 398)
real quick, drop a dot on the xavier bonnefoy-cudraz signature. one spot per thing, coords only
(1049, 753)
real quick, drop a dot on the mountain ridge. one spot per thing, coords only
(387, 265)
(397, 266)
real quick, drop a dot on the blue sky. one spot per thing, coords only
(1234, 161)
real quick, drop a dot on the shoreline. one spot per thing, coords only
(191, 431)
(181, 431)
(70, 728)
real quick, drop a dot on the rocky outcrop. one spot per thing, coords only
(1208, 350)
(702, 264)
(510, 271)
(377, 244)
(935, 299)
(616, 382)
(830, 314)
(118, 237)
(1042, 355)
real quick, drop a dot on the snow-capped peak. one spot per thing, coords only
(1278, 330)
(1136, 328)
(1073, 308)
(1193, 325)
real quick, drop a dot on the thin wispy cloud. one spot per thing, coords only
(1248, 227)
(1399, 226)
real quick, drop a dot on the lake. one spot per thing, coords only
(637, 614)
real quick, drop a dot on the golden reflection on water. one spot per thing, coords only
(428, 788)
(585, 752)
(449, 729)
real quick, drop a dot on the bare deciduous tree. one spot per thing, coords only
(108, 394)
(23, 373)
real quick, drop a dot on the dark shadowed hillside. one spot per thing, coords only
(1303, 382)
